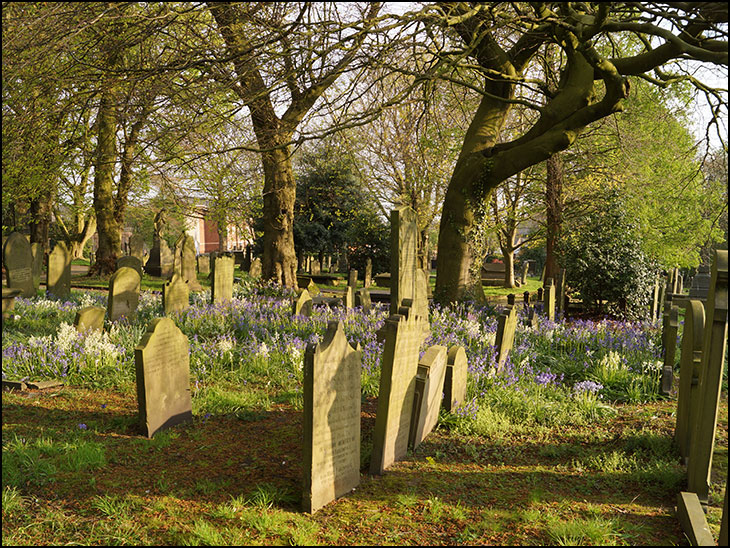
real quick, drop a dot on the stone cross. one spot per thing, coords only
(90, 317)
(123, 298)
(175, 294)
(331, 419)
(221, 289)
(18, 261)
(429, 390)
(58, 274)
(162, 366)
(455, 378)
(506, 326)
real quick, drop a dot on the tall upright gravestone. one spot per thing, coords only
(136, 246)
(255, 270)
(19, 264)
(175, 294)
(428, 394)
(506, 326)
(549, 300)
(403, 335)
(403, 256)
(160, 260)
(124, 286)
(221, 290)
(670, 324)
(331, 419)
(58, 274)
(162, 366)
(713, 357)
(184, 261)
(37, 253)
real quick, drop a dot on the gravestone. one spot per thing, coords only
(204, 264)
(18, 262)
(713, 357)
(655, 302)
(314, 268)
(221, 288)
(331, 418)
(348, 300)
(429, 390)
(526, 298)
(184, 261)
(455, 378)
(136, 247)
(362, 298)
(540, 294)
(255, 270)
(420, 297)
(37, 253)
(175, 294)
(403, 256)
(160, 260)
(162, 366)
(368, 281)
(403, 335)
(132, 262)
(700, 283)
(302, 305)
(525, 269)
(511, 299)
(58, 274)
(689, 374)
(123, 299)
(670, 325)
(549, 300)
(90, 317)
(506, 326)
(312, 288)
(352, 278)
(561, 290)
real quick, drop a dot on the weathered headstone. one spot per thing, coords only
(693, 521)
(184, 261)
(123, 299)
(315, 268)
(136, 246)
(368, 273)
(420, 296)
(669, 345)
(428, 394)
(255, 270)
(331, 419)
(160, 260)
(221, 288)
(175, 294)
(132, 262)
(713, 357)
(455, 378)
(312, 288)
(525, 269)
(362, 298)
(204, 264)
(700, 283)
(549, 300)
(18, 262)
(655, 302)
(58, 274)
(403, 256)
(511, 299)
(352, 278)
(540, 294)
(689, 374)
(90, 317)
(348, 298)
(302, 305)
(506, 326)
(403, 336)
(37, 253)
(162, 366)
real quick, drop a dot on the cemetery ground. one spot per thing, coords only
(570, 444)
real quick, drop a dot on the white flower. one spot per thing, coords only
(66, 336)
(225, 345)
(97, 342)
(264, 350)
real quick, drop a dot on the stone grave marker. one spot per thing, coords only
(90, 317)
(689, 374)
(549, 300)
(18, 262)
(331, 419)
(506, 326)
(700, 283)
(175, 294)
(669, 343)
(403, 335)
(132, 262)
(713, 357)
(37, 253)
(362, 298)
(420, 297)
(455, 378)
(160, 260)
(403, 256)
(315, 268)
(655, 303)
(204, 264)
(184, 261)
(9, 295)
(540, 294)
(429, 390)
(58, 274)
(368, 281)
(312, 288)
(162, 367)
(123, 299)
(352, 278)
(255, 270)
(511, 299)
(136, 246)
(302, 305)
(221, 288)
(525, 269)
(348, 299)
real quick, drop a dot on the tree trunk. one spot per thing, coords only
(41, 208)
(554, 212)
(508, 257)
(222, 230)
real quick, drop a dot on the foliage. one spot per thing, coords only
(604, 260)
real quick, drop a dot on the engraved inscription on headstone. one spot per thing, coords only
(18, 262)
(58, 275)
(90, 317)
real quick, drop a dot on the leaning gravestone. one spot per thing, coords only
(123, 299)
(313, 289)
(132, 262)
(428, 394)
(255, 270)
(90, 317)
(162, 366)
(302, 305)
(403, 335)
(713, 357)
(506, 326)
(175, 294)
(689, 374)
(221, 288)
(38, 253)
(403, 256)
(669, 344)
(455, 378)
(58, 274)
(331, 419)
(18, 262)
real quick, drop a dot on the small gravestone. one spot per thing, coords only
(331, 419)
(136, 246)
(132, 262)
(18, 261)
(255, 270)
(525, 268)
(302, 305)
(689, 374)
(352, 278)
(368, 273)
(455, 378)
(506, 326)
(123, 299)
(669, 344)
(549, 300)
(526, 298)
(37, 253)
(58, 274)
(162, 366)
(511, 299)
(403, 256)
(713, 357)
(314, 268)
(403, 336)
(204, 264)
(693, 521)
(90, 317)
(313, 289)
(362, 298)
(175, 294)
(221, 288)
(428, 394)
(540, 294)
